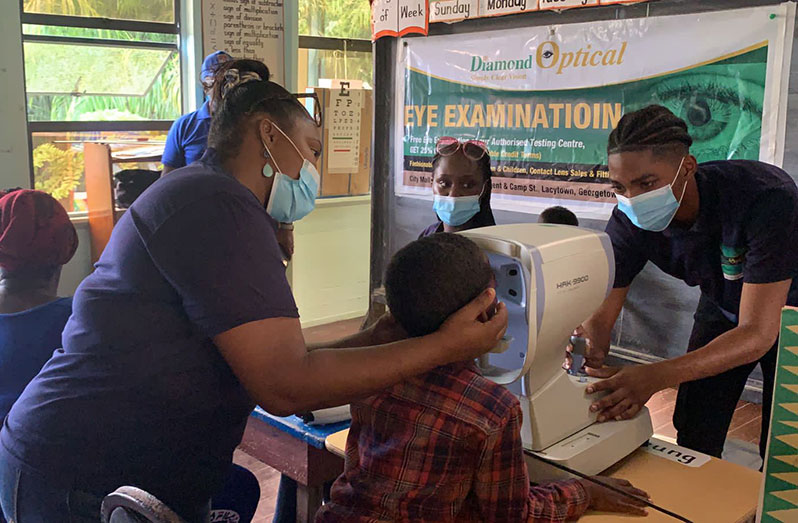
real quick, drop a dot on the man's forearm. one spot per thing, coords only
(741, 345)
(598, 335)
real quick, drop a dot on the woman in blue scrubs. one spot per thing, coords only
(188, 322)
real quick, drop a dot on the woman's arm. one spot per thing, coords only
(274, 365)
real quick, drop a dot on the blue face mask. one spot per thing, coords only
(291, 200)
(455, 211)
(652, 211)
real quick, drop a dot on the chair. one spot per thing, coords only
(133, 505)
(239, 498)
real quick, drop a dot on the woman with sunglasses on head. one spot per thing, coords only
(461, 184)
(188, 322)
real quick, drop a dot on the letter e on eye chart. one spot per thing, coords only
(343, 126)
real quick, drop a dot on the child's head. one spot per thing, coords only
(432, 278)
(559, 215)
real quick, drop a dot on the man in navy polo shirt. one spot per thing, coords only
(188, 136)
(729, 227)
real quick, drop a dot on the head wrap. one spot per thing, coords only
(35, 231)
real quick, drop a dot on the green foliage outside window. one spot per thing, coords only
(147, 10)
(335, 18)
(160, 102)
(57, 171)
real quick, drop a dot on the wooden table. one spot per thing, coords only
(296, 450)
(717, 491)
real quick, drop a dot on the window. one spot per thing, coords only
(317, 65)
(96, 70)
(335, 47)
(335, 18)
(334, 42)
(58, 159)
(139, 10)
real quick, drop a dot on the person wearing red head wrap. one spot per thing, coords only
(35, 232)
(36, 240)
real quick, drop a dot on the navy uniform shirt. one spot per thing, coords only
(139, 394)
(27, 340)
(187, 138)
(746, 232)
(432, 229)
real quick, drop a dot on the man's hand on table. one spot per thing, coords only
(629, 389)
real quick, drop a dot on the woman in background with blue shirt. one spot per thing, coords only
(188, 137)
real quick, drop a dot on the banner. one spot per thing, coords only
(545, 99)
(399, 17)
(387, 19)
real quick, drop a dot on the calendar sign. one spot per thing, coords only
(343, 126)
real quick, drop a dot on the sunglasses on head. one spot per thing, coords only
(472, 149)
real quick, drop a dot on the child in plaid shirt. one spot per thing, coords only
(446, 445)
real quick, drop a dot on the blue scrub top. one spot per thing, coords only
(187, 138)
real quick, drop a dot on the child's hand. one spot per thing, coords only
(607, 500)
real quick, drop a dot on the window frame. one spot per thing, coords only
(328, 43)
(98, 23)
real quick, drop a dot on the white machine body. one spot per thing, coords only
(552, 278)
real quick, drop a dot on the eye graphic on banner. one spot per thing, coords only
(723, 112)
(545, 101)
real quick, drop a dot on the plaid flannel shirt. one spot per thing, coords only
(444, 446)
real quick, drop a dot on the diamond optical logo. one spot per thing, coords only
(549, 56)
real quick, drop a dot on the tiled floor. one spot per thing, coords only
(745, 423)
(744, 427)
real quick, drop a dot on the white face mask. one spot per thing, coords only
(653, 210)
(291, 200)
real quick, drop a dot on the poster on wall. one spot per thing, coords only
(545, 99)
(251, 29)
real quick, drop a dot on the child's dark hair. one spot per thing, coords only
(653, 128)
(432, 278)
(238, 99)
(484, 218)
(559, 215)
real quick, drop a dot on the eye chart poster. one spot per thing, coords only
(545, 99)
